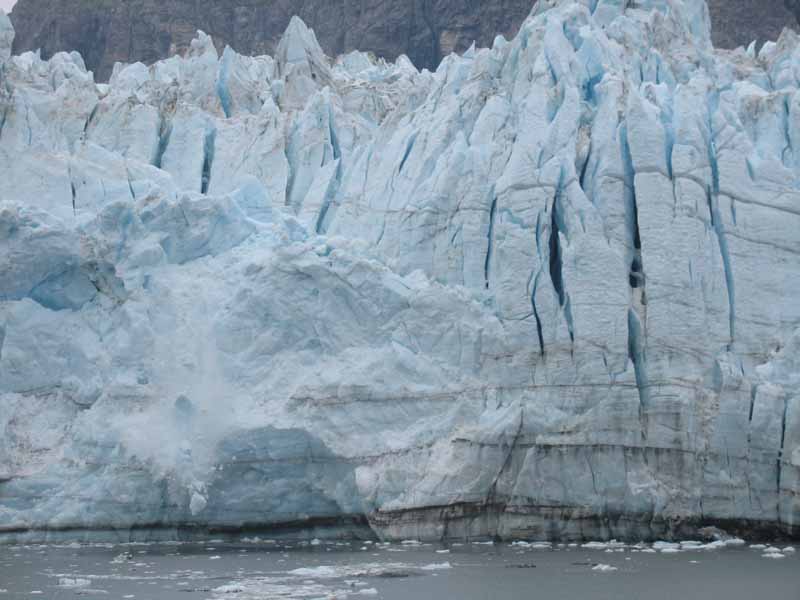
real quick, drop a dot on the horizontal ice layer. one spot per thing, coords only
(549, 291)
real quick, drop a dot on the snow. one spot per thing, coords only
(561, 271)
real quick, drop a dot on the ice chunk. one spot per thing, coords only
(437, 566)
(77, 582)
(197, 503)
(322, 571)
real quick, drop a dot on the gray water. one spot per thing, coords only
(267, 570)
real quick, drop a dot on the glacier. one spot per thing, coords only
(549, 291)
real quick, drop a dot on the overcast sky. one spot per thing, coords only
(7, 4)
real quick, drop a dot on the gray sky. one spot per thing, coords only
(7, 4)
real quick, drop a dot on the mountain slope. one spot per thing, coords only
(107, 31)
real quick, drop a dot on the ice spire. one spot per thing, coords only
(299, 51)
(301, 64)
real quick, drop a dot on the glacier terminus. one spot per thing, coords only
(550, 291)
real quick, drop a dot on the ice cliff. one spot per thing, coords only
(551, 290)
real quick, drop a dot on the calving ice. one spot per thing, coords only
(549, 291)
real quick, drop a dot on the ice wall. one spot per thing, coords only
(548, 291)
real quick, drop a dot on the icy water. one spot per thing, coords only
(268, 570)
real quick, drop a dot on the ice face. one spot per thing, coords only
(548, 290)
(6, 37)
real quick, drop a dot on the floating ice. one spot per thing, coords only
(437, 566)
(595, 545)
(322, 571)
(667, 547)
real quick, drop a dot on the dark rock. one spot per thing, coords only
(739, 22)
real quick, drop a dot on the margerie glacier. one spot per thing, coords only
(551, 290)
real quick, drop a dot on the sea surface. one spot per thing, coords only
(266, 569)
